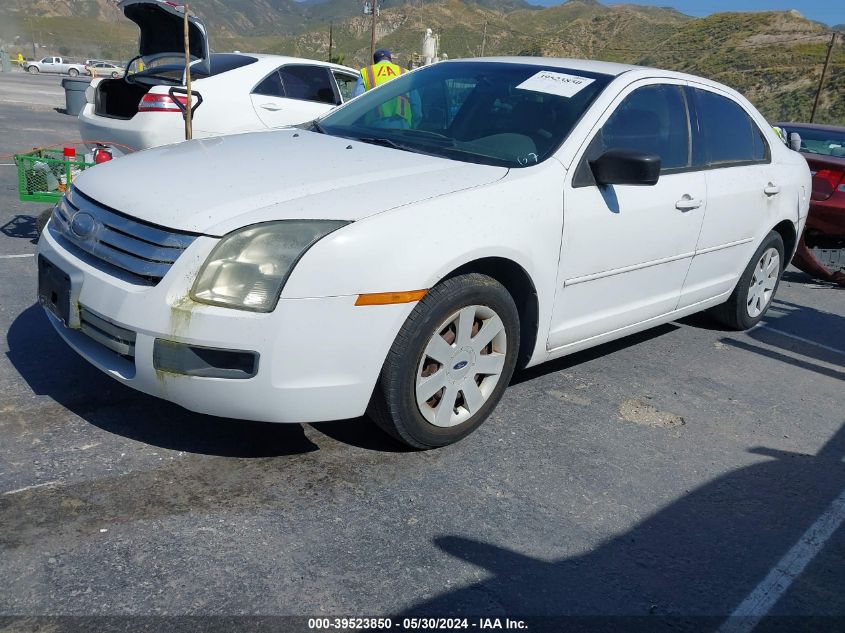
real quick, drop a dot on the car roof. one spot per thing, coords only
(589, 65)
(266, 59)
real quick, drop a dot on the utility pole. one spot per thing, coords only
(374, 6)
(484, 39)
(32, 30)
(821, 79)
(330, 41)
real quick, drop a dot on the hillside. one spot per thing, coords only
(775, 58)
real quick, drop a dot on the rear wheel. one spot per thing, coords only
(450, 363)
(32, 70)
(756, 287)
(73, 72)
(114, 75)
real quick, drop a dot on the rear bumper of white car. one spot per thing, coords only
(144, 130)
(315, 359)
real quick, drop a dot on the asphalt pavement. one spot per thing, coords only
(33, 92)
(666, 476)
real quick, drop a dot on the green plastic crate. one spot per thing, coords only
(44, 175)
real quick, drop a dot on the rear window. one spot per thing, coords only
(168, 67)
(224, 62)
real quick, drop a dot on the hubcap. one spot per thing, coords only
(763, 282)
(461, 366)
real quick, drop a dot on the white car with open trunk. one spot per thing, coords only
(405, 253)
(233, 92)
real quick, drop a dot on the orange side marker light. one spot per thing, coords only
(388, 298)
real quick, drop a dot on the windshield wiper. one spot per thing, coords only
(424, 135)
(385, 142)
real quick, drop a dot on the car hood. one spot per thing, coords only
(216, 185)
(162, 29)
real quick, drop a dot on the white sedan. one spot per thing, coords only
(243, 93)
(404, 261)
(234, 92)
(104, 69)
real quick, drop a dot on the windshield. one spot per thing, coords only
(495, 113)
(816, 141)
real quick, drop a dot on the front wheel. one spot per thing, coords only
(756, 287)
(450, 363)
(114, 75)
(73, 72)
(32, 70)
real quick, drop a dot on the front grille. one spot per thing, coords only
(117, 339)
(144, 251)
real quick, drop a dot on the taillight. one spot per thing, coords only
(826, 181)
(160, 103)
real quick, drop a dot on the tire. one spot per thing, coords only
(468, 308)
(33, 70)
(73, 72)
(756, 287)
(114, 75)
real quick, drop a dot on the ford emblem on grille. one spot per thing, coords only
(83, 225)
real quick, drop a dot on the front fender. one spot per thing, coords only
(519, 218)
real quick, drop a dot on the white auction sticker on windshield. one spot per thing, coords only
(556, 83)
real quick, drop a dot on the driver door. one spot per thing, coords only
(626, 249)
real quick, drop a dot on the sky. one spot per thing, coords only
(827, 11)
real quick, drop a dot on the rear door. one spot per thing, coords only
(743, 193)
(294, 93)
(626, 249)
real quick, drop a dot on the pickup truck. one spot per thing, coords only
(54, 65)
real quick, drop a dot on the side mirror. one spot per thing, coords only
(626, 167)
(794, 141)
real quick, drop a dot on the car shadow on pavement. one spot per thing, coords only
(592, 353)
(686, 567)
(804, 330)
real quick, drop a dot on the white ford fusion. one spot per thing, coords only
(405, 253)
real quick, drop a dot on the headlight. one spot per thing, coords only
(248, 268)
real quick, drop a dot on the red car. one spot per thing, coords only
(821, 251)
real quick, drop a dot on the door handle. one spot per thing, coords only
(271, 106)
(688, 203)
(771, 189)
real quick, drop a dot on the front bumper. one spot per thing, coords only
(319, 358)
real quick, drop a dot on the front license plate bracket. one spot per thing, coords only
(58, 292)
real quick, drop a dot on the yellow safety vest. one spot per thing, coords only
(378, 74)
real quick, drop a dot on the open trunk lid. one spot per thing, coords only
(161, 45)
(162, 30)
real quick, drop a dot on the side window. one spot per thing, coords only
(270, 86)
(728, 133)
(345, 84)
(652, 120)
(308, 83)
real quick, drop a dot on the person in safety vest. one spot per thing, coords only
(398, 110)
